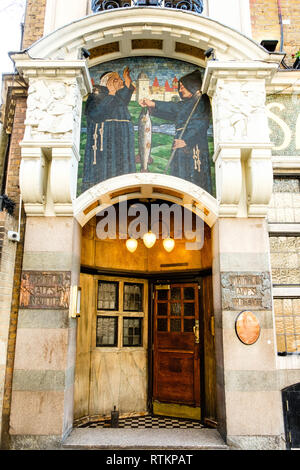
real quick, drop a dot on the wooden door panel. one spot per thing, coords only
(175, 377)
(179, 341)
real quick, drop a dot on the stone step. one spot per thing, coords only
(143, 439)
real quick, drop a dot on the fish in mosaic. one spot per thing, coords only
(145, 137)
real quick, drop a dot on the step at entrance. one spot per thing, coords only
(176, 439)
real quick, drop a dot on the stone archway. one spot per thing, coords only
(135, 186)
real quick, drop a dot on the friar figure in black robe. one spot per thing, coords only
(191, 159)
(109, 148)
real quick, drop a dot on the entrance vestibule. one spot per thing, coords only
(145, 335)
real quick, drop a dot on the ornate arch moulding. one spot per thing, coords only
(133, 23)
(58, 80)
(145, 186)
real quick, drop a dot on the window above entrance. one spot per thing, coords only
(188, 5)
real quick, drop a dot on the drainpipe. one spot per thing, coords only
(281, 25)
(281, 33)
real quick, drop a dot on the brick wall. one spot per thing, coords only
(10, 271)
(265, 24)
(34, 21)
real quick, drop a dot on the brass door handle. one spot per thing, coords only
(196, 332)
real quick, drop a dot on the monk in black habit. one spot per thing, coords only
(109, 148)
(191, 159)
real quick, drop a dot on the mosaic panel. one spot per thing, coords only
(284, 121)
(284, 206)
(287, 322)
(285, 260)
(146, 114)
(286, 185)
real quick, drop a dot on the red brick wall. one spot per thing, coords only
(265, 24)
(14, 258)
(34, 21)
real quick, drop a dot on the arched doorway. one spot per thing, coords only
(145, 338)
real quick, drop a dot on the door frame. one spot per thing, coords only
(173, 278)
(159, 278)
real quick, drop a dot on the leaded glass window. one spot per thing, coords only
(107, 295)
(132, 331)
(133, 296)
(107, 331)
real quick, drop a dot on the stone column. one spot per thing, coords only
(43, 381)
(249, 402)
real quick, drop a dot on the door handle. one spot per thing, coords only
(196, 332)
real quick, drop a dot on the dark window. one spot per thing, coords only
(133, 297)
(107, 331)
(108, 295)
(132, 331)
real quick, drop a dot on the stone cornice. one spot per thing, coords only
(161, 23)
(45, 68)
(236, 70)
(285, 82)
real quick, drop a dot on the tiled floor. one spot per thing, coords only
(148, 422)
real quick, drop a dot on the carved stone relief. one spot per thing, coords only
(240, 112)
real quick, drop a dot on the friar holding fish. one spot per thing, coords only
(190, 157)
(109, 148)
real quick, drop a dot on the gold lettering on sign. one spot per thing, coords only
(45, 290)
(243, 291)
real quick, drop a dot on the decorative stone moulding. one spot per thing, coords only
(58, 78)
(133, 23)
(146, 185)
(243, 158)
(50, 147)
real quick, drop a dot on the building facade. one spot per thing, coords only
(199, 145)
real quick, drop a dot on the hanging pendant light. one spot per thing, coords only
(149, 239)
(131, 244)
(168, 244)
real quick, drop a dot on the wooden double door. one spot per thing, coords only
(177, 344)
(125, 358)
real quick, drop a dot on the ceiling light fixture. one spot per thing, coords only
(149, 239)
(168, 244)
(131, 244)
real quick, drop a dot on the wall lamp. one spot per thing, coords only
(269, 44)
(85, 53)
(210, 52)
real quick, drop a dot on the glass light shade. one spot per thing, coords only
(149, 239)
(131, 244)
(169, 244)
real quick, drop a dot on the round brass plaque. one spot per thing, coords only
(247, 327)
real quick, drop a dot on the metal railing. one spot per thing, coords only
(187, 5)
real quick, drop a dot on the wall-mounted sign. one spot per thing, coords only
(45, 290)
(247, 327)
(246, 291)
